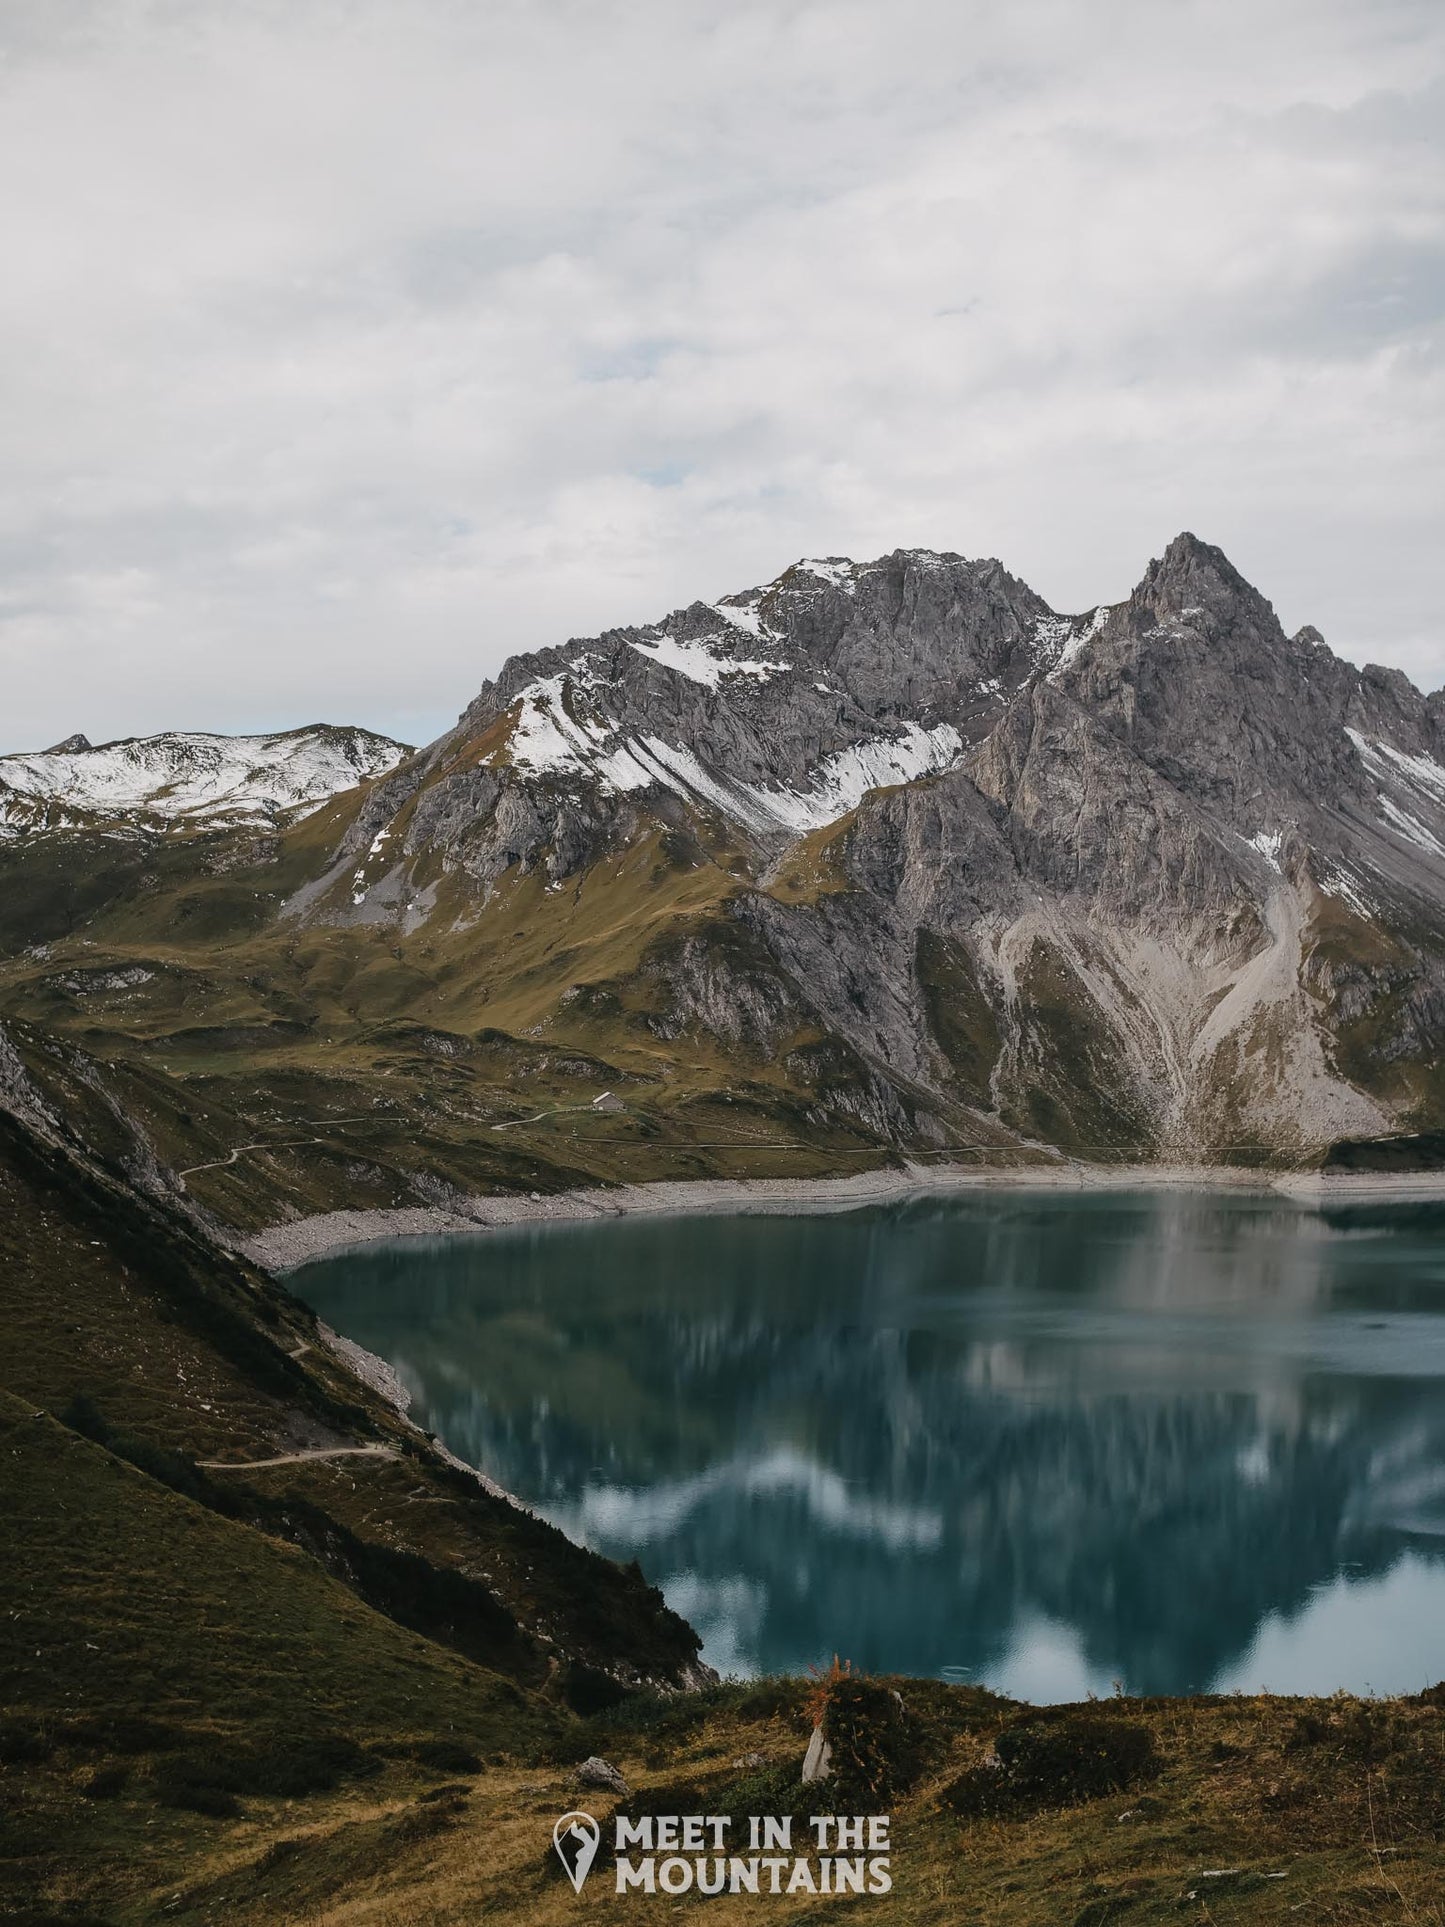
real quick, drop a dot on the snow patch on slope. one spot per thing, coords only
(1383, 759)
(698, 663)
(1338, 881)
(840, 783)
(1060, 640)
(644, 761)
(845, 778)
(836, 570)
(1268, 844)
(549, 735)
(1410, 827)
(745, 613)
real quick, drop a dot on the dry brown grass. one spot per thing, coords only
(1267, 1810)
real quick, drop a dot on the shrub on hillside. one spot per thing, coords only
(23, 1744)
(274, 1766)
(589, 1691)
(1038, 1764)
(126, 1733)
(446, 1756)
(217, 1803)
(877, 1749)
(106, 1783)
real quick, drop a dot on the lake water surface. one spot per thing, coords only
(1037, 1440)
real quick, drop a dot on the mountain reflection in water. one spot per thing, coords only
(1186, 1441)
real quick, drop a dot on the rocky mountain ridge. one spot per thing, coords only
(1157, 850)
(778, 709)
(888, 856)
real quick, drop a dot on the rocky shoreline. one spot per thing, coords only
(284, 1247)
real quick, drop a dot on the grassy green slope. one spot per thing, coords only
(178, 1347)
(301, 1063)
(196, 1658)
(362, 1067)
(372, 1595)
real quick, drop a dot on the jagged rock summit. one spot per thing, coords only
(778, 709)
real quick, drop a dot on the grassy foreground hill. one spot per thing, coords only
(209, 1728)
(231, 1569)
(268, 1657)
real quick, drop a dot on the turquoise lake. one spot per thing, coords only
(1047, 1442)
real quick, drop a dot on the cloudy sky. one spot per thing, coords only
(347, 346)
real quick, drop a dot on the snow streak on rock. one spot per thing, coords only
(557, 734)
(1406, 784)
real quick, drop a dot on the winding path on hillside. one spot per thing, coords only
(300, 1458)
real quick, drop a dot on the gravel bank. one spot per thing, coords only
(282, 1247)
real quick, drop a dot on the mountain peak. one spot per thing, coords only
(1195, 584)
(71, 746)
(1188, 558)
(1188, 544)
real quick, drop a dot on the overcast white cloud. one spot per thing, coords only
(347, 346)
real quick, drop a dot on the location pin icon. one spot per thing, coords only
(577, 1837)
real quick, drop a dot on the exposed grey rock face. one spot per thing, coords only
(65, 1111)
(1155, 878)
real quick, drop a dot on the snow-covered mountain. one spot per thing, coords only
(186, 779)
